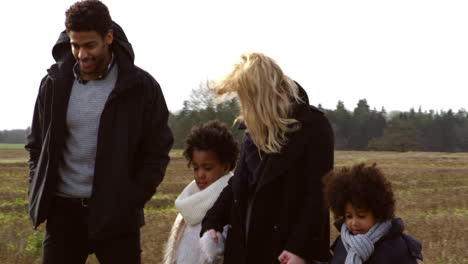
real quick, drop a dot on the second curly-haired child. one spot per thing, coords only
(362, 202)
(212, 152)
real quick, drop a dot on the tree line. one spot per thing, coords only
(366, 129)
(14, 136)
(362, 128)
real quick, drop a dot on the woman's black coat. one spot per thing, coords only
(287, 210)
(395, 247)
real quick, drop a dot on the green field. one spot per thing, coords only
(11, 146)
(12, 153)
(431, 192)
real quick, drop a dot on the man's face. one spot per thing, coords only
(91, 50)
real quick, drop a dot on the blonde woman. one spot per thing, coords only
(274, 203)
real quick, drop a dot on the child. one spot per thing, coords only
(211, 151)
(362, 202)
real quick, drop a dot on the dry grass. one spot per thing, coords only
(431, 191)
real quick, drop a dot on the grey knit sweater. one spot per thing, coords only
(76, 169)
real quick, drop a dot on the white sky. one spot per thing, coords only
(397, 54)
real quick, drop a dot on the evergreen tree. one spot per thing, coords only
(400, 135)
(359, 136)
(343, 125)
(202, 108)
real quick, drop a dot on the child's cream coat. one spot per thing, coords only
(184, 245)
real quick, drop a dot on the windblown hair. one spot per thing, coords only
(214, 136)
(365, 187)
(266, 97)
(88, 15)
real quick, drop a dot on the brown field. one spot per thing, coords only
(431, 191)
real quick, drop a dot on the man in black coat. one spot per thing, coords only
(98, 144)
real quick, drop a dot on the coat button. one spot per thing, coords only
(235, 201)
(275, 228)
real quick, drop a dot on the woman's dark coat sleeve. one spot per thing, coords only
(218, 216)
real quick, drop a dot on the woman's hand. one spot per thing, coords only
(213, 235)
(287, 257)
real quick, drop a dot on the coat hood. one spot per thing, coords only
(302, 94)
(62, 52)
(303, 111)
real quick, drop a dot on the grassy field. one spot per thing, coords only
(11, 146)
(431, 191)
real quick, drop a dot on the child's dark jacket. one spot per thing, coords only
(395, 247)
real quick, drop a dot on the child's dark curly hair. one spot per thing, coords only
(88, 15)
(212, 135)
(365, 187)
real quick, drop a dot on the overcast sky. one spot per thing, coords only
(397, 54)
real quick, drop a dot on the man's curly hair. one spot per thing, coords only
(212, 135)
(88, 15)
(365, 187)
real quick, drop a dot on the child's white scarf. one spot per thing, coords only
(193, 203)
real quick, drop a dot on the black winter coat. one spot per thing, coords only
(395, 247)
(287, 210)
(133, 142)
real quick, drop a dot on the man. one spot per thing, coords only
(98, 144)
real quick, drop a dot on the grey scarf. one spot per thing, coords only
(361, 247)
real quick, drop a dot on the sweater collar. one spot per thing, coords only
(104, 73)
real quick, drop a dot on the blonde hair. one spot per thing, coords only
(266, 96)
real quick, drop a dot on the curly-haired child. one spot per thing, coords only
(212, 151)
(362, 201)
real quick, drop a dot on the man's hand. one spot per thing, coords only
(287, 257)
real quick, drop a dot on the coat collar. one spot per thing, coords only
(278, 163)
